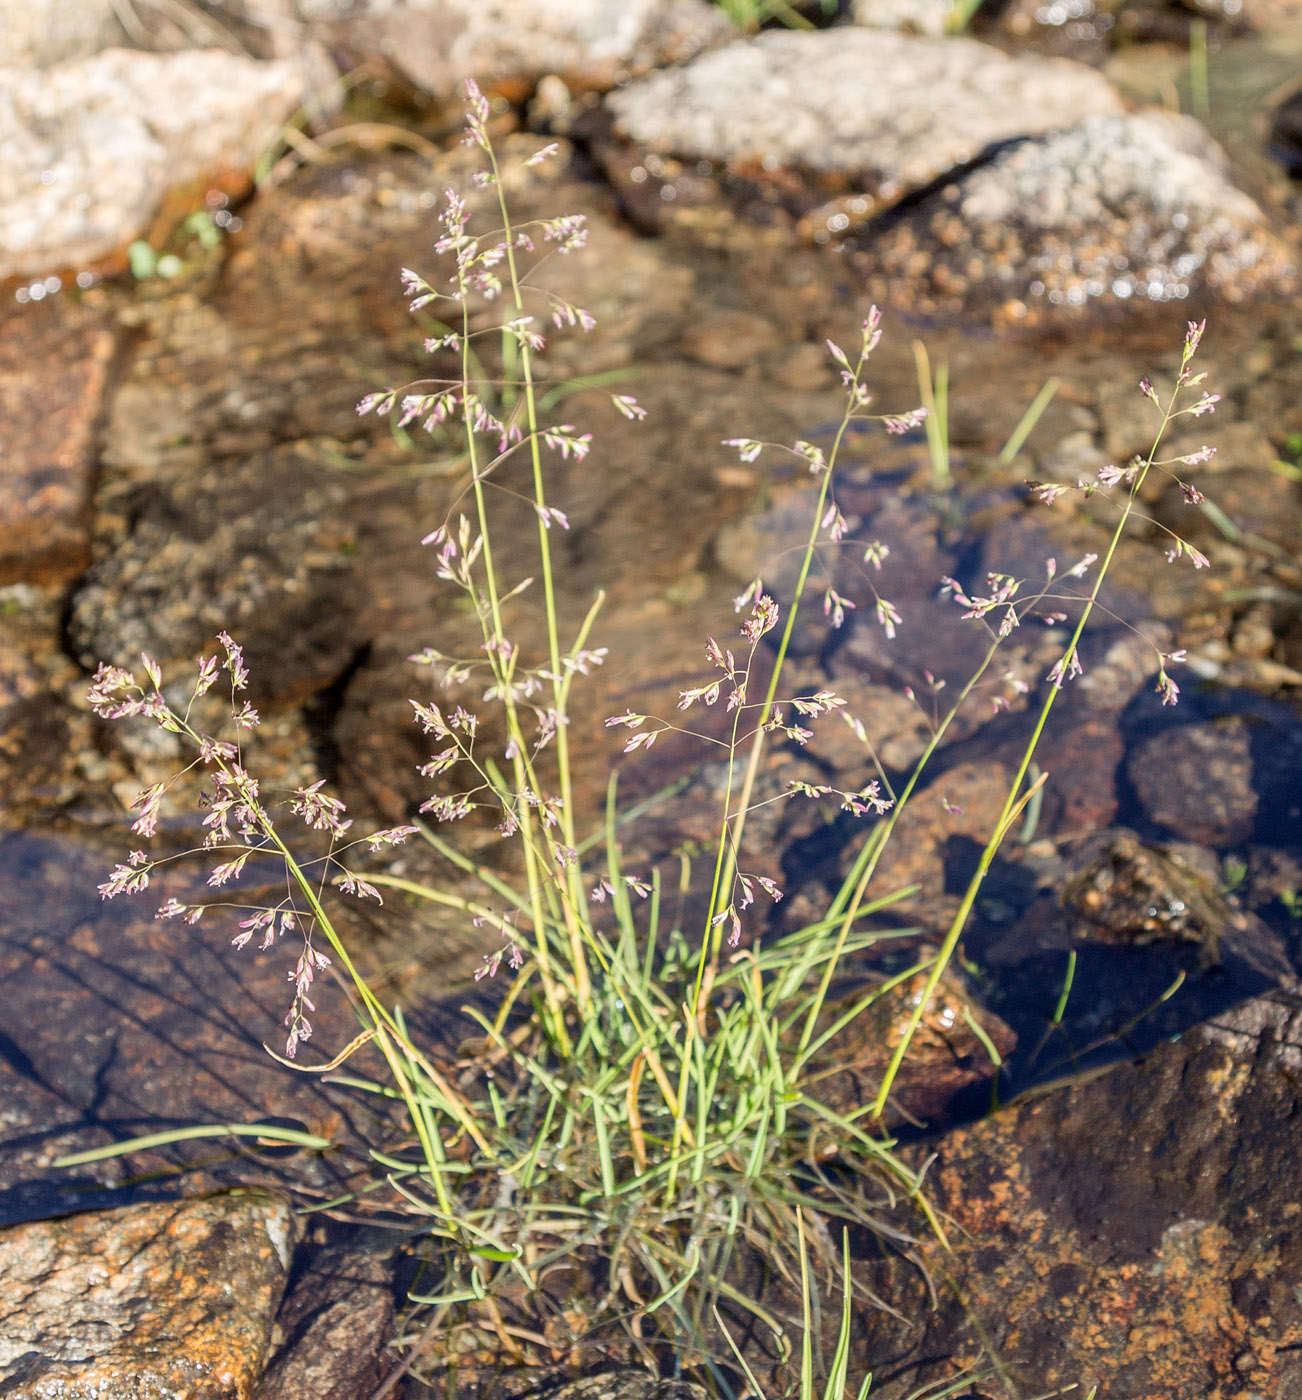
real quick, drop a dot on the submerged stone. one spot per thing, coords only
(55, 371)
(116, 1023)
(260, 550)
(336, 1321)
(954, 1050)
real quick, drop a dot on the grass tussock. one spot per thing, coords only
(642, 1109)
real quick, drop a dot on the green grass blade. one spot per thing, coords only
(264, 1131)
(1017, 438)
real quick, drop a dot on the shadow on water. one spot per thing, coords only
(114, 1025)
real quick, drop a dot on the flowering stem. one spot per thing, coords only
(573, 884)
(495, 634)
(726, 860)
(388, 1030)
(865, 866)
(1016, 799)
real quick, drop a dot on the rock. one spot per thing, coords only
(1254, 633)
(1255, 500)
(40, 36)
(1123, 891)
(800, 100)
(55, 368)
(40, 733)
(730, 339)
(1271, 882)
(511, 44)
(689, 820)
(167, 1299)
(1142, 584)
(616, 1385)
(1138, 1233)
(1081, 750)
(804, 366)
(93, 147)
(929, 633)
(937, 839)
(1114, 210)
(336, 1321)
(1075, 457)
(895, 727)
(1130, 421)
(769, 545)
(947, 1058)
(1246, 753)
(1239, 446)
(1083, 745)
(260, 550)
(1196, 780)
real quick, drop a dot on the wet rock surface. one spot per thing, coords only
(955, 1051)
(56, 370)
(334, 1325)
(1125, 891)
(174, 1298)
(262, 551)
(1138, 1233)
(1121, 890)
(1100, 948)
(1224, 776)
(155, 1028)
(44, 740)
(1198, 780)
(617, 1385)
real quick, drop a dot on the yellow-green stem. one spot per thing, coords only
(959, 923)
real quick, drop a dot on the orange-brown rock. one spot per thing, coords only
(1140, 1233)
(175, 1298)
(55, 365)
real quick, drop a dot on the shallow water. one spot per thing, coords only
(265, 348)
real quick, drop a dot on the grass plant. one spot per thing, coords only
(934, 393)
(642, 1105)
